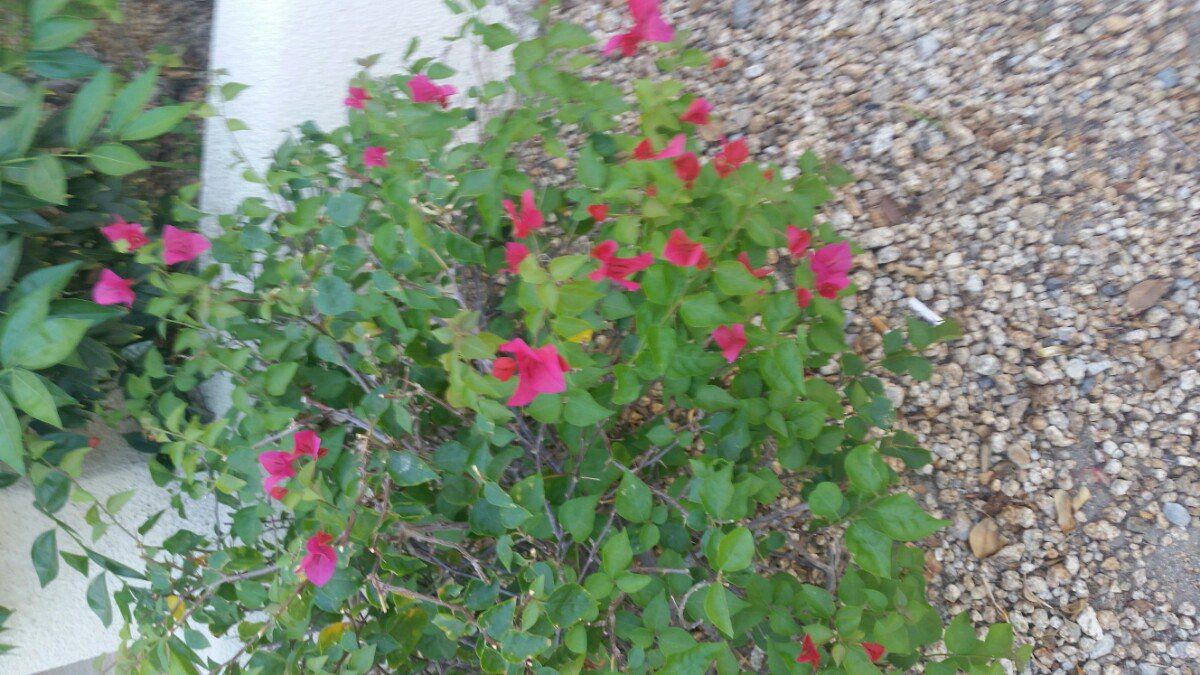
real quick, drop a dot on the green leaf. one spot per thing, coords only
(901, 518)
(45, 556)
(47, 344)
(115, 159)
(616, 554)
(702, 311)
(633, 502)
(155, 122)
(12, 445)
(872, 549)
(32, 396)
(10, 258)
(86, 111)
(733, 279)
(716, 607)
(45, 179)
(97, 599)
(578, 516)
(131, 99)
(345, 208)
(61, 63)
(407, 469)
(334, 296)
(735, 550)
(58, 32)
(826, 501)
(18, 130)
(868, 473)
(40, 10)
(583, 411)
(570, 603)
(279, 376)
(12, 91)
(52, 492)
(960, 635)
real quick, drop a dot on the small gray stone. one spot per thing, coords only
(1168, 77)
(742, 15)
(1104, 647)
(927, 46)
(755, 70)
(1177, 514)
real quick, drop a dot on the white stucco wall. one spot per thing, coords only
(297, 56)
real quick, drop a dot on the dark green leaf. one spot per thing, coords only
(12, 445)
(97, 599)
(61, 63)
(633, 502)
(578, 516)
(45, 556)
(570, 603)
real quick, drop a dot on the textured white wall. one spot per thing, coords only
(297, 56)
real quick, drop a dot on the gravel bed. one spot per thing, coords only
(1032, 169)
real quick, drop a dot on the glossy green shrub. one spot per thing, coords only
(628, 516)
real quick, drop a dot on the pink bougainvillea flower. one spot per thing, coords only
(687, 168)
(758, 272)
(803, 297)
(279, 467)
(733, 154)
(127, 236)
(514, 253)
(307, 443)
(648, 26)
(598, 211)
(616, 269)
(830, 265)
(113, 290)
(797, 240)
(529, 219)
(539, 371)
(874, 650)
(644, 150)
(674, 148)
(424, 90)
(374, 155)
(503, 368)
(182, 246)
(808, 653)
(718, 62)
(731, 339)
(357, 98)
(321, 560)
(682, 251)
(697, 112)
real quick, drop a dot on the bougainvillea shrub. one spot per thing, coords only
(555, 388)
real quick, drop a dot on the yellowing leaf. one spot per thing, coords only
(582, 337)
(175, 604)
(330, 634)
